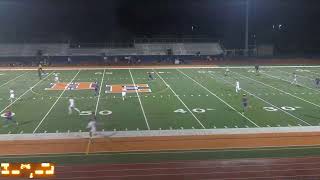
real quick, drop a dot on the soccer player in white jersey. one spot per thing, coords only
(72, 106)
(11, 97)
(92, 125)
(226, 73)
(124, 92)
(294, 79)
(56, 78)
(237, 86)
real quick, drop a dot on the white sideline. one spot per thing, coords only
(159, 133)
(152, 67)
(142, 109)
(13, 79)
(180, 99)
(272, 105)
(95, 112)
(278, 89)
(25, 92)
(219, 99)
(54, 104)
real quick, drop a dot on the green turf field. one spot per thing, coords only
(180, 99)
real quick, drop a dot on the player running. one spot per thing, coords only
(11, 97)
(96, 88)
(256, 67)
(237, 86)
(294, 79)
(92, 125)
(72, 106)
(40, 71)
(227, 72)
(124, 92)
(9, 117)
(150, 77)
(56, 78)
(317, 80)
(244, 103)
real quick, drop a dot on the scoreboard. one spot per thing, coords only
(28, 170)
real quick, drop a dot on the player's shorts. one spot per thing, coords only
(11, 96)
(123, 93)
(93, 130)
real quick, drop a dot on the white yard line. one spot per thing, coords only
(180, 99)
(220, 99)
(24, 93)
(277, 89)
(142, 109)
(274, 77)
(13, 79)
(95, 112)
(45, 116)
(268, 103)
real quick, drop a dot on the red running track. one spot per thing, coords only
(261, 169)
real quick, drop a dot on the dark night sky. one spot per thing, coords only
(99, 20)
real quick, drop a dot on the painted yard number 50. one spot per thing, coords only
(88, 113)
(286, 108)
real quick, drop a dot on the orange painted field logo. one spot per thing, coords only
(71, 86)
(130, 88)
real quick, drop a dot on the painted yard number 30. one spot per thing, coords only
(286, 108)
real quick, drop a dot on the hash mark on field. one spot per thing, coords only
(278, 125)
(236, 126)
(227, 104)
(192, 127)
(268, 125)
(21, 132)
(289, 125)
(54, 104)
(181, 127)
(247, 126)
(126, 129)
(114, 129)
(9, 132)
(68, 131)
(299, 125)
(180, 99)
(45, 132)
(225, 126)
(170, 128)
(214, 127)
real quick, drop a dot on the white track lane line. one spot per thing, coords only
(219, 98)
(180, 100)
(25, 93)
(142, 109)
(45, 116)
(274, 77)
(13, 79)
(267, 102)
(277, 89)
(95, 112)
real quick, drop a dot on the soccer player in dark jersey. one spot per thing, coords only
(9, 117)
(150, 77)
(96, 88)
(244, 103)
(257, 69)
(317, 82)
(40, 71)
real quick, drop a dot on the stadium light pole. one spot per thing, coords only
(246, 45)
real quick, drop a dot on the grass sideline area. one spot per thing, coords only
(193, 98)
(168, 156)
